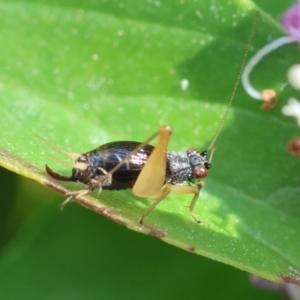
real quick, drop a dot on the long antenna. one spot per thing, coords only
(236, 83)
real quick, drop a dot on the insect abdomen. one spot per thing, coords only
(112, 153)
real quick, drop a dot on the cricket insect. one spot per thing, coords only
(151, 172)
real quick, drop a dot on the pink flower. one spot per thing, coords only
(291, 22)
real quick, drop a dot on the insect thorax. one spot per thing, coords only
(181, 165)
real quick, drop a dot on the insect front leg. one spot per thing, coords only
(188, 189)
(196, 190)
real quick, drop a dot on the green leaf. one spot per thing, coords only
(83, 74)
(78, 255)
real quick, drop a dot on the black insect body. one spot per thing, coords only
(92, 166)
(119, 165)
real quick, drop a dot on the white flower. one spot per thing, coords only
(292, 109)
(293, 76)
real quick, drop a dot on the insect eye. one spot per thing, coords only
(200, 171)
